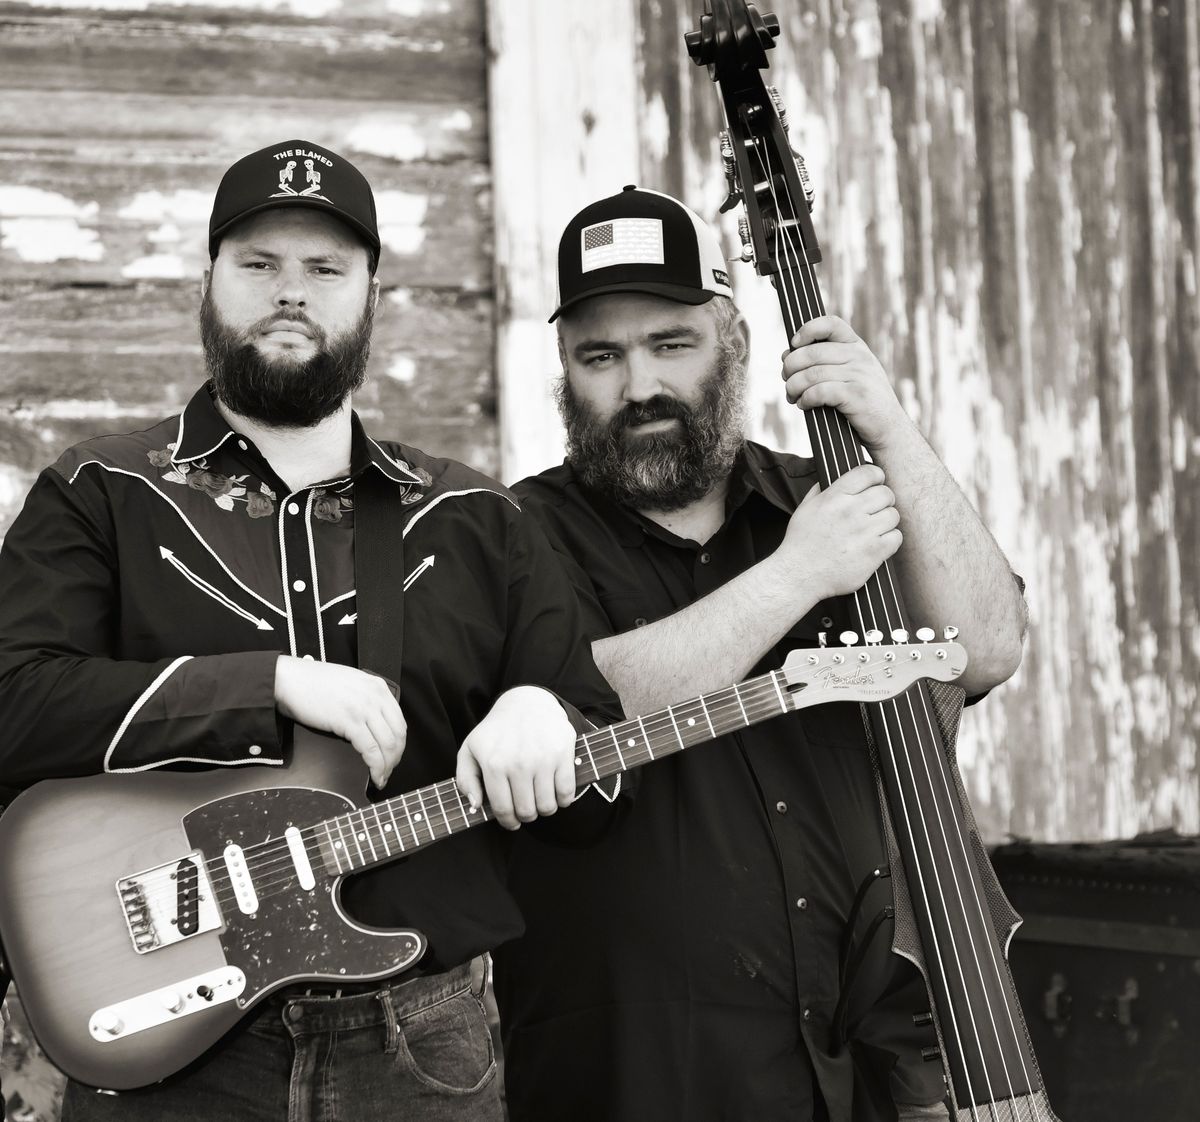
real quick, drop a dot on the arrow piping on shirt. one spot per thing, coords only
(215, 593)
(409, 581)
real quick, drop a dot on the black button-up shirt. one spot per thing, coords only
(688, 967)
(153, 579)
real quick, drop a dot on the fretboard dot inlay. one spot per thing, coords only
(691, 720)
(416, 818)
(630, 742)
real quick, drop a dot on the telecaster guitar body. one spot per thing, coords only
(72, 923)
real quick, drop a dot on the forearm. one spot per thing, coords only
(709, 644)
(67, 715)
(951, 570)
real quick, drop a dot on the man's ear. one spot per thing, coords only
(375, 291)
(205, 281)
(742, 328)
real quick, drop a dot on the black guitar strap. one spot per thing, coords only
(379, 574)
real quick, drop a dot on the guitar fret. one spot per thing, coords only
(343, 821)
(387, 849)
(412, 826)
(366, 833)
(617, 745)
(675, 726)
(775, 682)
(333, 849)
(591, 759)
(645, 737)
(737, 693)
(704, 707)
(442, 807)
(423, 813)
(395, 824)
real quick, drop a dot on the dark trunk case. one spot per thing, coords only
(1107, 966)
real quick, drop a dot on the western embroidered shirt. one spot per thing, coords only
(153, 579)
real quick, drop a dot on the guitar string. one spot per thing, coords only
(755, 711)
(782, 244)
(602, 755)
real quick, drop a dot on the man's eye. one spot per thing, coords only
(672, 346)
(326, 271)
(601, 359)
(259, 266)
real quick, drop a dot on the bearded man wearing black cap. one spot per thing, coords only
(181, 595)
(686, 968)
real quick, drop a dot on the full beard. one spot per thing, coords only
(278, 391)
(660, 471)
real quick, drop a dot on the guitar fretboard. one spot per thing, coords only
(403, 824)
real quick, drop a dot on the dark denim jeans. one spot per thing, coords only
(419, 1051)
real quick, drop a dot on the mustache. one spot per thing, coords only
(296, 317)
(657, 408)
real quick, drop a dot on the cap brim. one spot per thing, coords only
(271, 204)
(678, 293)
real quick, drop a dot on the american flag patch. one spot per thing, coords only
(623, 241)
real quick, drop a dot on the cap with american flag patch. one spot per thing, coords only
(639, 241)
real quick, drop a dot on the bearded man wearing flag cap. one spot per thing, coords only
(723, 953)
(182, 595)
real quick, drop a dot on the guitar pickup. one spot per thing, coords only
(168, 903)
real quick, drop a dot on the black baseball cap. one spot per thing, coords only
(640, 241)
(294, 173)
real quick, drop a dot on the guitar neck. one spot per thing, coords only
(401, 825)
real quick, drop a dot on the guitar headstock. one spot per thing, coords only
(764, 172)
(874, 672)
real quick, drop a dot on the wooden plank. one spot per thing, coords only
(142, 128)
(563, 100)
(434, 54)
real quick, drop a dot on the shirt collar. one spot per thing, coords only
(202, 430)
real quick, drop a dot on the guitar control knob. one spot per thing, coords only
(110, 1023)
(172, 1001)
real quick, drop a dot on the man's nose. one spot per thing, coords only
(291, 291)
(641, 378)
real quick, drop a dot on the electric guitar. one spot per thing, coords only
(143, 915)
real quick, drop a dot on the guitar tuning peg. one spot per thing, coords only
(727, 156)
(873, 637)
(777, 101)
(848, 638)
(925, 634)
(822, 637)
(745, 237)
(810, 192)
(899, 635)
(950, 633)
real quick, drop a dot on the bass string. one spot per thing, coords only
(797, 312)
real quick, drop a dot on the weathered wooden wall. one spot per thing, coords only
(116, 122)
(1008, 205)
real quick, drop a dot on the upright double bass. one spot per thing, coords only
(952, 919)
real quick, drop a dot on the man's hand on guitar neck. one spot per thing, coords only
(523, 754)
(346, 702)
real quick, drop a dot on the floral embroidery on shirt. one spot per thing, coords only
(328, 507)
(224, 490)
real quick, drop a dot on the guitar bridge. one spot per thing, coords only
(168, 903)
